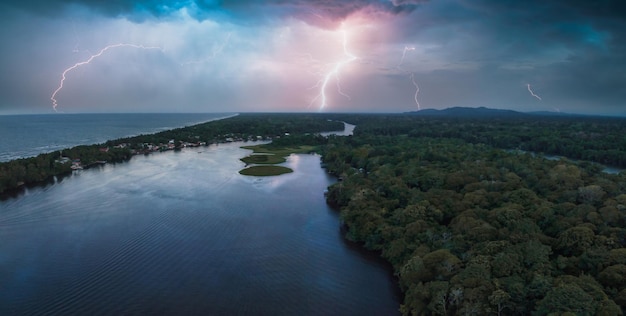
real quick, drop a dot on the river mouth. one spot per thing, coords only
(183, 233)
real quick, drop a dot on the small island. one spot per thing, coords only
(264, 171)
(270, 159)
(268, 156)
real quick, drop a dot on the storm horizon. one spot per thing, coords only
(312, 56)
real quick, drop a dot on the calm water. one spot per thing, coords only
(30, 135)
(182, 233)
(348, 130)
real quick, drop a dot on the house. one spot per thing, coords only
(63, 160)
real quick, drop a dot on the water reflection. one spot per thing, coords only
(184, 233)
(347, 131)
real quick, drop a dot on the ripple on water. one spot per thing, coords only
(182, 233)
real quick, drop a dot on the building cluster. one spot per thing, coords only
(147, 148)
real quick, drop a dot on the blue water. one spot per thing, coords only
(30, 135)
(183, 233)
(176, 233)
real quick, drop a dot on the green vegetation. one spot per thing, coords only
(263, 171)
(270, 159)
(280, 151)
(597, 139)
(473, 229)
(271, 154)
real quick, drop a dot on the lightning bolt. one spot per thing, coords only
(406, 49)
(531, 92)
(412, 76)
(417, 91)
(334, 72)
(76, 65)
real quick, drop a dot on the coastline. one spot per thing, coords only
(45, 133)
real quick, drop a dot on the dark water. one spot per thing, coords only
(182, 233)
(30, 135)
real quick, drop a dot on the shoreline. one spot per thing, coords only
(43, 168)
(56, 145)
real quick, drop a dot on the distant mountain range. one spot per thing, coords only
(485, 112)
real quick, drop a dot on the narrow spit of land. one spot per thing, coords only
(288, 128)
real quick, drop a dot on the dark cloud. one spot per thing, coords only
(309, 10)
(570, 21)
(498, 15)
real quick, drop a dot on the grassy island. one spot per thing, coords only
(268, 155)
(264, 171)
(266, 159)
(277, 151)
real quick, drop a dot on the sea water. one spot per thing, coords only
(24, 136)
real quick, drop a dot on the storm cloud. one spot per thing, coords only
(272, 55)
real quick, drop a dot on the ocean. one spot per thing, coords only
(30, 135)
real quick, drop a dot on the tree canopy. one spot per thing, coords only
(474, 229)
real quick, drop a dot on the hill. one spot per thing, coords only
(485, 112)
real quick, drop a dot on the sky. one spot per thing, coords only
(85, 56)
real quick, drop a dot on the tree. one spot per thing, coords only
(617, 256)
(567, 298)
(614, 276)
(575, 240)
(566, 176)
(441, 264)
(500, 300)
(591, 194)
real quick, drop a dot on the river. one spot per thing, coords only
(182, 233)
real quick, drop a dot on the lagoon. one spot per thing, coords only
(182, 233)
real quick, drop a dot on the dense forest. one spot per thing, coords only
(243, 127)
(471, 229)
(598, 139)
